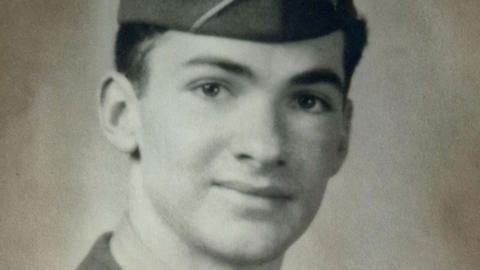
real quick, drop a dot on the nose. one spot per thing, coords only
(258, 138)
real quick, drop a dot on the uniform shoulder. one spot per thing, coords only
(100, 256)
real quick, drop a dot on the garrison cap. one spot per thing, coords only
(257, 20)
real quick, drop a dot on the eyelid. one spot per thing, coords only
(314, 93)
(324, 100)
(210, 80)
(225, 88)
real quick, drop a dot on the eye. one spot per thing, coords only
(312, 103)
(211, 89)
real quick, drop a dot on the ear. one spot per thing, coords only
(347, 124)
(118, 111)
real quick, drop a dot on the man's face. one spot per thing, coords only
(238, 139)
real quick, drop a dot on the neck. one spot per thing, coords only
(144, 241)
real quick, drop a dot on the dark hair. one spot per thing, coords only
(131, 48)
(355, 42)
(133, 44)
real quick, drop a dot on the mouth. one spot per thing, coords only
(269, 192)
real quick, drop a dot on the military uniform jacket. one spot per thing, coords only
(100, 257)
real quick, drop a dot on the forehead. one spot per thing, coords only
(173, 49)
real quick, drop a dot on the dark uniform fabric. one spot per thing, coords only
(100, 257)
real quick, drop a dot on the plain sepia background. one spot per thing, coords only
(408, 196)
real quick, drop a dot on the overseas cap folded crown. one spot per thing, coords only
(258, 20)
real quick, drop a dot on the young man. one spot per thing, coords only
(236, 115)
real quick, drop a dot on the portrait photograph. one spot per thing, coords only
(240, 135)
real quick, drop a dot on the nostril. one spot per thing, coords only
(280, 163)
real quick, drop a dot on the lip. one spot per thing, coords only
(271, 192)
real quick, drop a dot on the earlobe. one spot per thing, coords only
(118, 112)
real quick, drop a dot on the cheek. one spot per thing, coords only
(175, 135)
(315, 165)
(175, 166)
(314, 146)
(314, 155)
(175, 154)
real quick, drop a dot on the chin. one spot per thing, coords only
(248, 244)
(248, 254)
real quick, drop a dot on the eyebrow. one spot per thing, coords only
(224, 64)
(317, 76)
